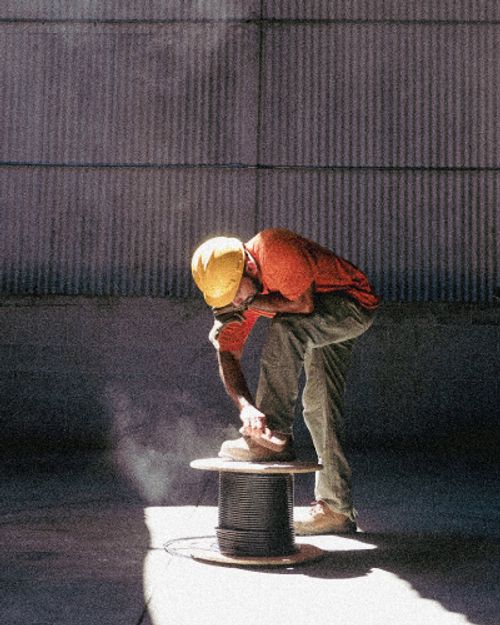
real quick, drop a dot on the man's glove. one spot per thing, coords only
(224, 316)
(229, 314)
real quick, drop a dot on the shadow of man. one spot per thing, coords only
(460, 573)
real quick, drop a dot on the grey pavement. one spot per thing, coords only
(82, 543)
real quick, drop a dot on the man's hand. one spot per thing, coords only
(254, 421)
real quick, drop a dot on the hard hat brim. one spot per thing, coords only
(217, 267)
(222, 300)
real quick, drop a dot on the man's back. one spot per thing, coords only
(290, 264)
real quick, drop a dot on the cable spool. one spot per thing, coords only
(255, 515)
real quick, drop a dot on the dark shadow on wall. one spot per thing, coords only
(50, 411)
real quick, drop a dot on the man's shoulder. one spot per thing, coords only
(271, 236)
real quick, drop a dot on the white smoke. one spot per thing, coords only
(157, 434)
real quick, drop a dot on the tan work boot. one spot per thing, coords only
(322, 520)
(247, 450)
(275, 441)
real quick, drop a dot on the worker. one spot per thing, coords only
(319, 304)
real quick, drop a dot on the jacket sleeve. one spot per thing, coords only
(231, 337)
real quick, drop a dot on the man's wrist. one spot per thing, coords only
(243, 403)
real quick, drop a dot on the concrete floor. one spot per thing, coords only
(80, 545)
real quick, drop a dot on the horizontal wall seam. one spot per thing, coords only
(252, 21)
(395, 168)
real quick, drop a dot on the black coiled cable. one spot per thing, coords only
(255, 514)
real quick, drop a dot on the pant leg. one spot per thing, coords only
(335, 319)
(323, 400)
(322, 341)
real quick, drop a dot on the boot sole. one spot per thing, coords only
(347, 530)
(268, 440)
(247, 457)
(271, 442)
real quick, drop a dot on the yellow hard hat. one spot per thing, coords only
(217, 267)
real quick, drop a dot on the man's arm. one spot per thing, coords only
(277, 303)
(231, 373)
(233, 378)
(236, 387)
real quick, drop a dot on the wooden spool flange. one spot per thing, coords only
(233, 466)
(210, 551)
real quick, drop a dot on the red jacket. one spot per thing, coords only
(290, 264)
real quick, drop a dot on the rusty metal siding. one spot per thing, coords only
(113, 231)
(421, 236)
(378, 10)
(128, 94)
(129, 9)
(384, 95)
(131, 131)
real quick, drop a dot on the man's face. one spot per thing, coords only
(247, 290)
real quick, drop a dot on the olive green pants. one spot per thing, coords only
(322, 343)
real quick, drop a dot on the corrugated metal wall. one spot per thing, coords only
(130, 131)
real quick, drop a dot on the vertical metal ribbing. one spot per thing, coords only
(95, 10)
(121, 94)
(386, 10)
(410, 231)
(437, 231)
(259, 115)
(418, 112)
(423, 228)
(91, 240)
(415, 102)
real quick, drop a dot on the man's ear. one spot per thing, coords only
(251, 267)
